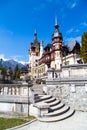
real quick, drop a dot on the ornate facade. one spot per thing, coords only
(55, 55)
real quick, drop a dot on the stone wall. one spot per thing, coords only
(79, 70)
(15, 108)
(70, 87)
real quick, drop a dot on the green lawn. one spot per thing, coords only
(12, 122)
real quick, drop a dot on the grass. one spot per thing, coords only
(6, 123)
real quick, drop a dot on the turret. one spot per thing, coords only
(57, 36)
(57, 45)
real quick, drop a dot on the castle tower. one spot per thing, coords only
(35, 52)
(57, 45)
(34, 48)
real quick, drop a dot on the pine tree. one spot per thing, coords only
(3, 72)
(16, 73)
(83, 52)
(10, 72)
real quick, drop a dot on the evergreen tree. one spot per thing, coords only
(3, 72)
(16, 73)
(10, 72)
(1, 62)
(83, 52)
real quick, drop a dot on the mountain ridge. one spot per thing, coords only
(11, 63)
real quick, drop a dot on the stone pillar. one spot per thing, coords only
(73, 88)
(8, 91)
(3, 90)
(11, 90)
(14, 90)
(86, 88)
(17, 91)
(50, 72)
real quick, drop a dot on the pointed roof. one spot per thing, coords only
(56, 21)
(56, 32)
(35, 34)
(35, 31)
(35, 42)
(72, 45)
(56, 24)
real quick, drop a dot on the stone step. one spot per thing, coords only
(57, 107)
(58, 112)
(43, 98)
(56, 102)
(50, 100)
(57, 118)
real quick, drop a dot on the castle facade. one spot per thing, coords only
(53, 55)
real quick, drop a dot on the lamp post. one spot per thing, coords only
(28, 98)
(29, 85)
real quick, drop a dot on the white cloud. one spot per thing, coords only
(6, 31)
(70, 39)
(73, 5)
(70, 30)
(2, 56)
(24, 63)
(83, 23)
(39, 8)
(16, 58)
(77, 30)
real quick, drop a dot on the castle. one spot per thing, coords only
(54, 55)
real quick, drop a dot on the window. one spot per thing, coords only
(47, 57)
(36, 54)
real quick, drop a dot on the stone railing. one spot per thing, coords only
(14, 89)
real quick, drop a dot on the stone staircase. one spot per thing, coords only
(57, 110)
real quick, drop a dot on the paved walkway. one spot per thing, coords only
(77, 122)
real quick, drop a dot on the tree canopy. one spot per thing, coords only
(83, 52)
(3, 71)
(16, 73)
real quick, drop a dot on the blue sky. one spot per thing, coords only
(19, 18)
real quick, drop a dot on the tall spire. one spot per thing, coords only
(56, 24)
(56, 21)
(35, 34)
(35, 31)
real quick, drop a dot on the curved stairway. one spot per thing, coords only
(57, 110)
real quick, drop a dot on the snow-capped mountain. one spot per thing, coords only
(11, 63)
